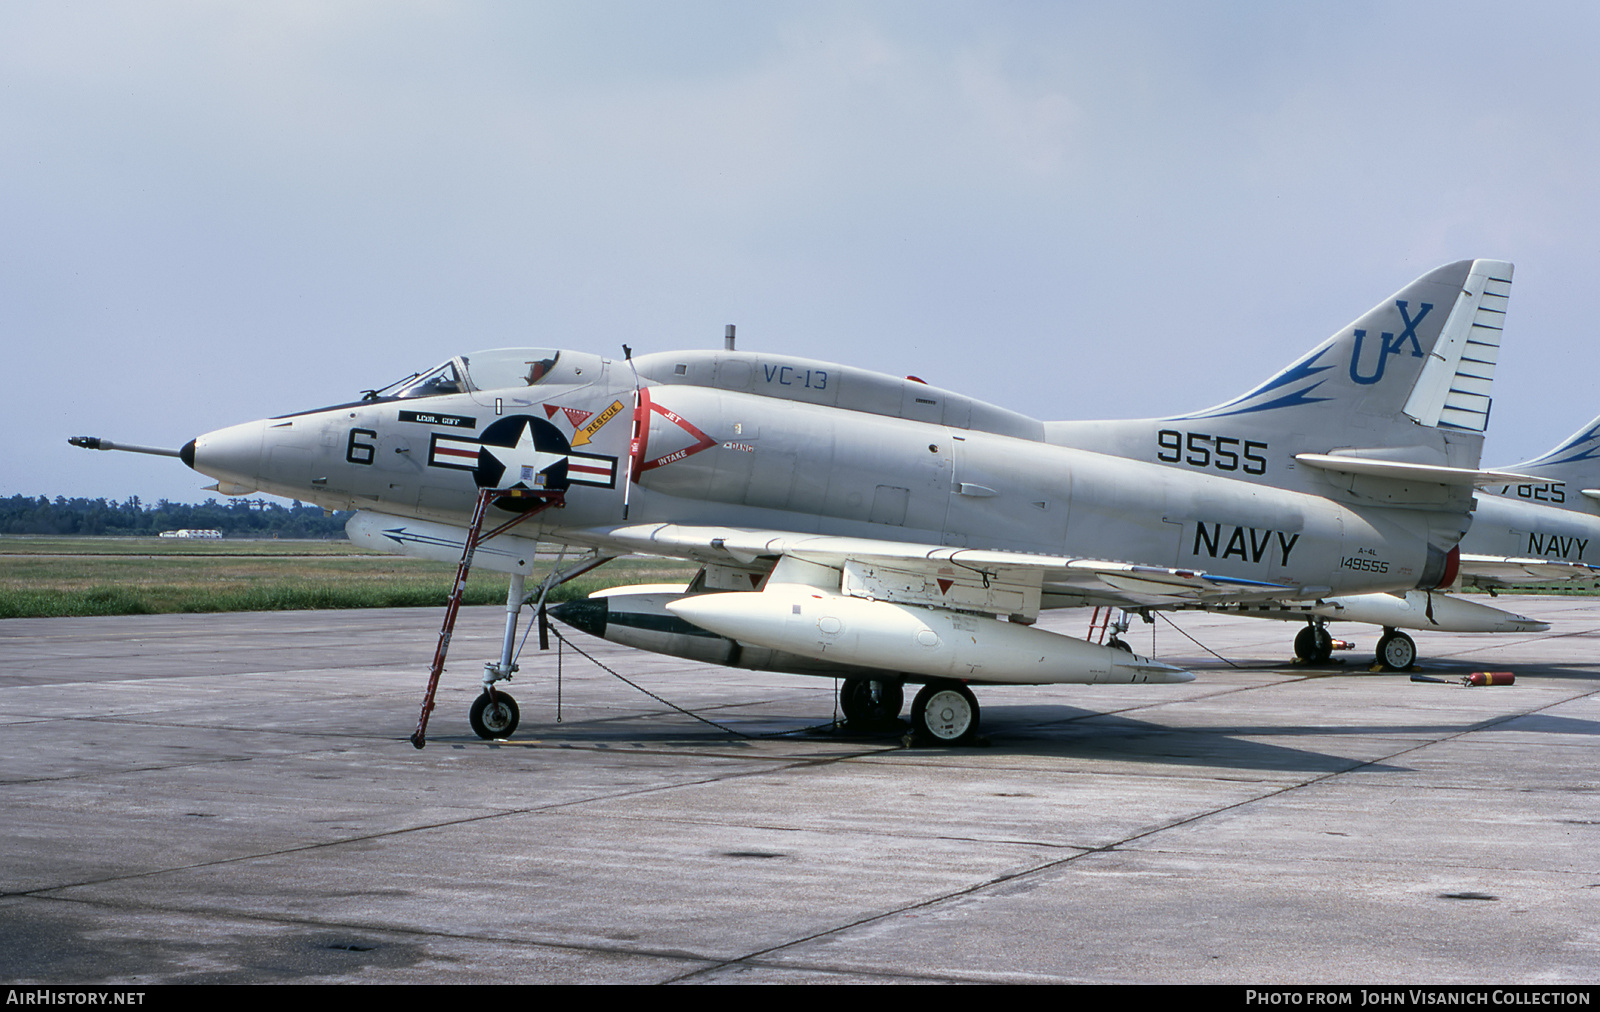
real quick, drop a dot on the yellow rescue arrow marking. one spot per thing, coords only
(586, 433)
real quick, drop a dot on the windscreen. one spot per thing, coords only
(497, 369)
(444, 379)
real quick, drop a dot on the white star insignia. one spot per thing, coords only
(522, 461)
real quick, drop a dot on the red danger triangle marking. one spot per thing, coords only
(577, 417)
(944, 585)
(550, 410)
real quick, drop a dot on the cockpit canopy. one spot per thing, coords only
(496, 369)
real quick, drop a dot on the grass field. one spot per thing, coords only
(44, 577)
(57, 577)
(166, 547)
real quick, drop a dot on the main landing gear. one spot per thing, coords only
(871, 702)
(1396, 651)
(944, 712)
(1314, 644)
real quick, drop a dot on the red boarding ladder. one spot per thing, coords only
(475, 537)
(1099, 624)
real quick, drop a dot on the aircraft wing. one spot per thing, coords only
(1002, 582)
(1497, 572)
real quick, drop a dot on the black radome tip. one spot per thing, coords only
(587, 615)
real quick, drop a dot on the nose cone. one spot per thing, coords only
(231, 455)
(736, 616)
(588, 615)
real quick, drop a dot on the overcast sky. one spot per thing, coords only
(214, 212)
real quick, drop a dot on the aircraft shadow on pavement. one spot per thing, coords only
(1036, 730)
(1054, 729)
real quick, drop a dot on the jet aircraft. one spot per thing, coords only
(1541, 532)
(858, 525)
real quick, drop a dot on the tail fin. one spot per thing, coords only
(1575, 463)
(1407, 382)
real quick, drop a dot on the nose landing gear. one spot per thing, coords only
(494, 718)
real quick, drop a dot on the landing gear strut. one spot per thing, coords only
(494, 715)
(945, 712)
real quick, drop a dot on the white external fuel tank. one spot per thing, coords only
(424, 539)
(934, 643)
(639, 617)
(1416, 609)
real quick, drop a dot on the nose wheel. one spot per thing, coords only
(494, 718)
(946, 713)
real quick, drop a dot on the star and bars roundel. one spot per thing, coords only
(521, 451)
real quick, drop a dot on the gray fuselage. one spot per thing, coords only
(841, 461)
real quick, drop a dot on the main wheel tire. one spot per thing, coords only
(496, 718)
(1396, 651)
(946, 712)
(1122, 645)
(855, 699)
(1314, 645)
(1305, 644)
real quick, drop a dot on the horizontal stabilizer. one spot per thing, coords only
(1499, 572)
(1575, 462)
(1402, 471)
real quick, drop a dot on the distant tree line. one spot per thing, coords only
(22, 514)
